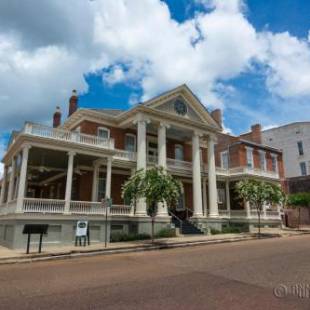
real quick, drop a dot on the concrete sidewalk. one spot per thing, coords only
(62, 252)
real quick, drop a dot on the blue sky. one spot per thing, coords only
(250, 58)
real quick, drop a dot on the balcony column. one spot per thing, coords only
(213, 205)
(23, 178)
(162, 161)
(12, 180)
(227, 197)
(4, 184)
(95, 182)
(197, 199)
(108, 178)
(69, 181)
(205, 198)
(141, 159)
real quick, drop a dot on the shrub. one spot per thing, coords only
(121, 237)
(226, 230)
(166, 233)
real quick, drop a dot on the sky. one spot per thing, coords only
(249, 58)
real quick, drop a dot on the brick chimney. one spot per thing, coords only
(73, 103)
(217, 116)
(57, 118)
(256, 131)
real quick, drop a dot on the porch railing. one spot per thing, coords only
(121, 210)
(125, 155)
(34, 205)
(86, 207)
(66, 135)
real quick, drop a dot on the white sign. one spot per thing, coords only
(81, 229)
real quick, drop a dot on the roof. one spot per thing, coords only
(112, 112)
(287, 125)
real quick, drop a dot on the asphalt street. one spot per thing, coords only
(262, 274)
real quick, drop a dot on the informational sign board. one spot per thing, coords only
(81, 229)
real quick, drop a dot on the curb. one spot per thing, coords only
(138, 248)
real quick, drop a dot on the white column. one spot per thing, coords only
(69, 181)
(3, 187)
(197, 199)
(95, 182)
(227, 197)
(162, 161)
(108, 178)
(12, 180)
(264, 211)
(205, 198)
(23, 177)
(141, 161)
(213, 206)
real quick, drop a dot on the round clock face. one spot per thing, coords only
(180, 107)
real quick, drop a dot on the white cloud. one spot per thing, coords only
(44, 56)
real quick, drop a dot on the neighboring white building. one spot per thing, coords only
(294, 140)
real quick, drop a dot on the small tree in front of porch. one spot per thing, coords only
(258, 193)
(154, 185)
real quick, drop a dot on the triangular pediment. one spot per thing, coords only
(183, 103)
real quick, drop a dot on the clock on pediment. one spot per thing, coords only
(180, 107)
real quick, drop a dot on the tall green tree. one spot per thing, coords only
(154, 185)
(258, 193)
(298, 201)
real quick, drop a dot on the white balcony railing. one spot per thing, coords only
(66, 135)
(34, 205)
(179, 164)
(125, 155)
(238, 171)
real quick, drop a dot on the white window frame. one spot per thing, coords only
(262, 153)
(221, 195)
(249, 159)
(135, 140)
(103, 128)
(175, 153)
(182, 207)
(301, 148)
(275, 157)
(222, 161)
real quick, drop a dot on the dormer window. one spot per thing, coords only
(103, 132)
(249, 157)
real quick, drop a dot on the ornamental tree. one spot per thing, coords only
(154, 185)
(258, 193)
(299, 200)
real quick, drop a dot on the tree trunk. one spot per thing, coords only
(153, 220)
(299, 218)
(258, 215)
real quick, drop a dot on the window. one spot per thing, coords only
(274, 163)
(249, 157)
(101, 186)
(103, 132)
(221, 198)
(224, 160)
(303, 168)
(262, 160)
(300, 148)
(181, 203)
(130, 142)
(179, 152)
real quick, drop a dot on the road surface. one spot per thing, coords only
(242, 275)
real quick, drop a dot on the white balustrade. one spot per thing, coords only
(121, 210)
(224, 213)
(237, 213)
(34, 205)
(87, 207)
(179, 164)
(66, 135)
(125, 155)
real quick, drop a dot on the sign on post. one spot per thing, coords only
(82, 232)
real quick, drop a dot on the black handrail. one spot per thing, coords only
(178, 219)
